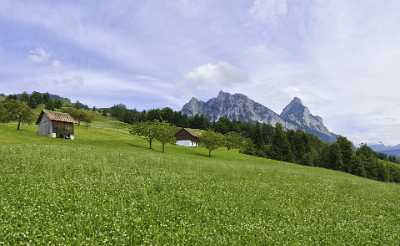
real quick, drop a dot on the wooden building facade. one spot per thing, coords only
(56, 125)
(188, 137)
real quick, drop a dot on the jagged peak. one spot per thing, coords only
(296, 105)
(223, 94)
(296, 100)
(194, 99)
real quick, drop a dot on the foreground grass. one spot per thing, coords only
(106, 188)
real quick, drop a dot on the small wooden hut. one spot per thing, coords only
(188, 137)
(56, 124)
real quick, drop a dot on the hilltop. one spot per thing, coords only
(107, 187)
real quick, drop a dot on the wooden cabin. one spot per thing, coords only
(56, 125)
(188, 137)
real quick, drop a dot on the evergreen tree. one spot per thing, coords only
(369, 160)
(24, 97)
(280, 149)
(333, 158)
(258, 135)
(357, 167)
(346, 148)
(35, 99)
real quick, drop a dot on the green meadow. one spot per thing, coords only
(107, 188)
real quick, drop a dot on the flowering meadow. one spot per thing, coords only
(106, 188)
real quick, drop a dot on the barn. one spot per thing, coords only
(188, 137)
(56, 124)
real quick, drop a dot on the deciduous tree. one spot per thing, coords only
(17, 111)
(233, 140)
(164, 133)
(146, 130)
(211, 140)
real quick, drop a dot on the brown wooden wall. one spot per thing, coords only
(63, 129)
(185, 135)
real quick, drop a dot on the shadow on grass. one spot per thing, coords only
(139, 146)
(195, 152)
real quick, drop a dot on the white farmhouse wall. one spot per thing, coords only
(186, 143)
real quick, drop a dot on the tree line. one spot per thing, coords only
(25, 108)
(165, 132)
(251, 138)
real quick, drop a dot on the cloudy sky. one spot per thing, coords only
(342, 57)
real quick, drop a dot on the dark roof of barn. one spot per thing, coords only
(194, 132)
(56, 116)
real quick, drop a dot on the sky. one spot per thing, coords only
(341, 57)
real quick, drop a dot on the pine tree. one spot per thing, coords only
(346, 148)
(332, 157)
(280, 149)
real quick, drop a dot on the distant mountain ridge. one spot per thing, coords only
(239, 107)
(388, 150)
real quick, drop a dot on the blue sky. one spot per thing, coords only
(340, 56)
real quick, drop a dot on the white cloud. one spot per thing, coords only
(39, 55)
(76, 29)
(43, 57)
(221, 73)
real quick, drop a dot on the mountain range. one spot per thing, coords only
(239, 107)
(388, 150)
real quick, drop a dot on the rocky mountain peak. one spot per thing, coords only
(296, 113)
(241, 108)
(223, 94)
(296, 100)
(295, 109)
(194, 100)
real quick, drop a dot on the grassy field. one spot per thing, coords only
(107, 188)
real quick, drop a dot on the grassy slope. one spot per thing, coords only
(106, 187)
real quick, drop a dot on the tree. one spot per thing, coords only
(233, 140)
(346, 148)
(24, 97)
(80, 115)
(164, 133)
(17, 111)
(223, 125)
(211, 140)
(257, 135)
(369, 160)
(146, 130)
(87, 116)
(198, 122)
(280, 149)
(357, 167)
(333, 158)
(35, 99)
(3, 113)
(79, 105)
